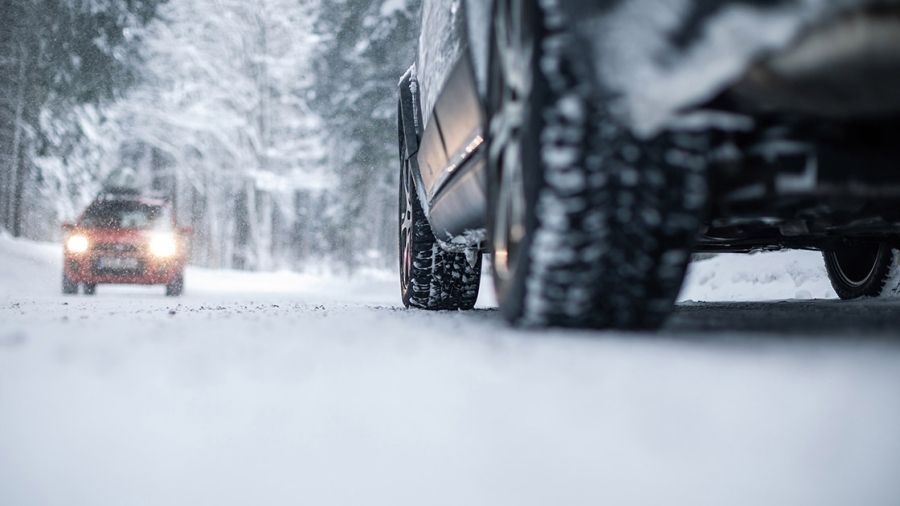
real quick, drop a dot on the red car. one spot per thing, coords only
(125, 238)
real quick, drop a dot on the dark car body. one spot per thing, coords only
(121, 232)
(442, 96)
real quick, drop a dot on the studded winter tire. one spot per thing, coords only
(591, 226)
(69, 287)
(430, 277)
(175, 288)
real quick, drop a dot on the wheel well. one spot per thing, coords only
(408, 117)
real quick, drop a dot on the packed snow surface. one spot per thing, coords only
(285, 389)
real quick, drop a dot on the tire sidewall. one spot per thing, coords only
(403, 207)
(873, 285)
(512, 291)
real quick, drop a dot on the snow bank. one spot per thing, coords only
(29, 268)
(780, 275)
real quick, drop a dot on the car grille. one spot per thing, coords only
(114, 247)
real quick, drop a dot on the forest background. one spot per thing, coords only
(270, 124)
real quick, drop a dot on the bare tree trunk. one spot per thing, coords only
(215, 253)
(265, 213)
(17, 180)
(6, 162)
(256, 204)
(200, 237)
(252, 233)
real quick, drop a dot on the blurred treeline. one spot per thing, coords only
(269, 123)
(56, 56)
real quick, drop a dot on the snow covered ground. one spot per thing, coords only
(285, 389)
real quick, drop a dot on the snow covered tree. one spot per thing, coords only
(269, 123)
(56, 56)
(220, 123)
(366, 45)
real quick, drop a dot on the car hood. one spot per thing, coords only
(101, 235)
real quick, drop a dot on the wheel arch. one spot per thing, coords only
(409, 115)
(409, 129)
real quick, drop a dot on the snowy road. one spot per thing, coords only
(288, 389)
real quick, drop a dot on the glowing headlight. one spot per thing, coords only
(163, 245)
(77, 244)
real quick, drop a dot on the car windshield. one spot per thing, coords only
(126, 215)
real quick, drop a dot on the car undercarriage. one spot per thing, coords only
(814, 157)
(804, 184)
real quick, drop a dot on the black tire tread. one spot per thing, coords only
(440, 279)
(620, 218)
(175, 288)
(69, 287)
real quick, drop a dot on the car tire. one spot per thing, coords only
(175, 288)
(69, 287)
(591, 226)
(90, 289)
(431, 278)
(859, 269)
